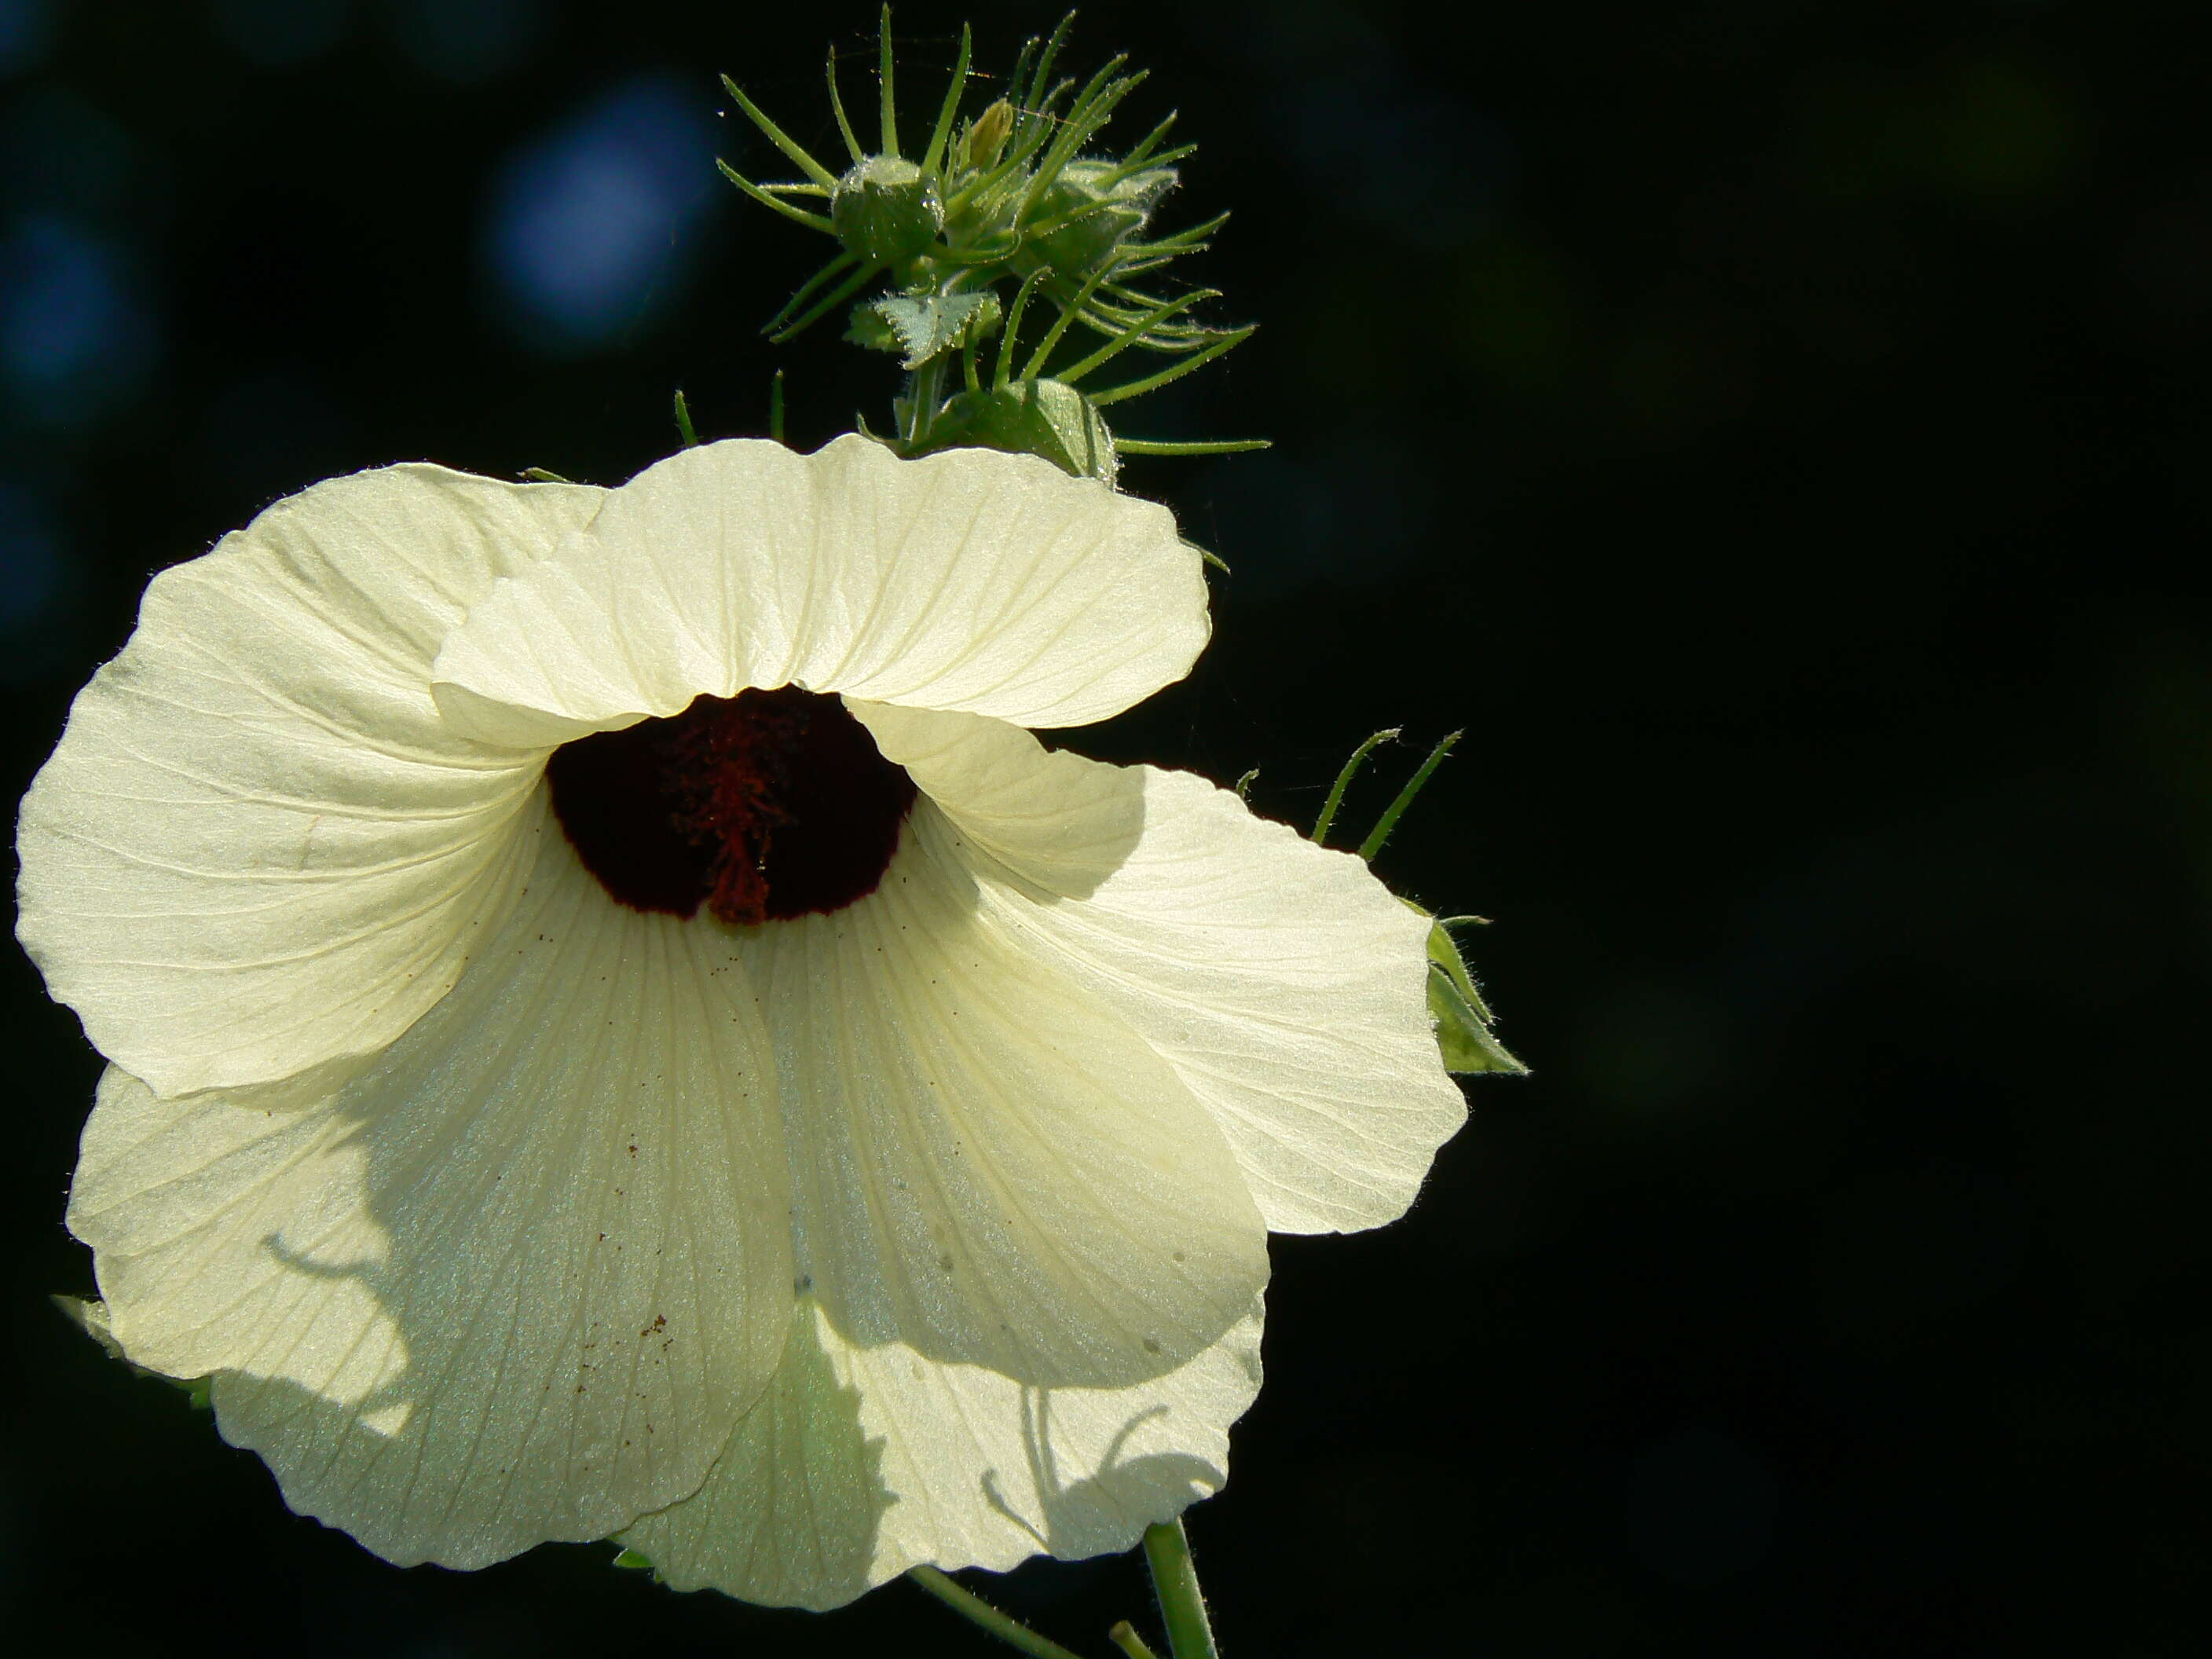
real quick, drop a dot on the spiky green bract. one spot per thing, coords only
(1463, 1019)
(1016, 194)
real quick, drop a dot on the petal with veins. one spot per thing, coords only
(987, 1165)
(258, 846)
(864, 1461)
(968, 579)
(516, 1281)
(1282, 982)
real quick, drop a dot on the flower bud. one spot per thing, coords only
(988, 135)
(886, 210)
(1100, 215)
(1029, 418)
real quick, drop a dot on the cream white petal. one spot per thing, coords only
(969, 580)
(516, 1281)
(1281, 981)
(988, 1165)
(864, 1461)
(259, 848)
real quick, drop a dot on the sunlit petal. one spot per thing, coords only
(970, 580)
(864, 1461)
(987, 1165)
(258, 846)
(516, 1281)
(1282, 982)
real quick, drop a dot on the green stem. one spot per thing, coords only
(1175, 1582)
(1154, 382)
(1013, 328)
(1343, 783)
(861, 276)
(1198, 446)
(796, 216)
(782, 140)
(1135, 333)
(1052, 336)
(808, 288)
(1136, 157)
(837, 108)
(975, 1609)
(934, 157)
(884, 75)
(1126, 1638)
(923, 392)
(1396, 810)
(1042, 73)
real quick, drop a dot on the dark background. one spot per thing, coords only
(1776, 429)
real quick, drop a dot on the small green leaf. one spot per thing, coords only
(633, 1561)
(871, 329)
(923, 326)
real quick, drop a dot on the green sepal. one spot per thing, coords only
(89, 1315)
(631, 1561)
(1028, 417)
(1463, 1018)
(923, 326)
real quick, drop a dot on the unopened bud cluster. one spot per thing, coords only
(1008, 200)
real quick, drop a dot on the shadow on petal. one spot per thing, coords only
(790, 1514)
(514, 1283)
(1094, 1515)
(989, 1166)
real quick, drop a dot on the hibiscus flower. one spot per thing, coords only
(618, 1028)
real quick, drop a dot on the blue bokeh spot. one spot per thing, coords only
(587, 231)
(23, 30)
(73, 330)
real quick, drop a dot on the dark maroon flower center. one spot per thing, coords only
(762, 807)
